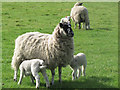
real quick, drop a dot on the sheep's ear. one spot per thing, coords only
(81, 3)
(61, 25)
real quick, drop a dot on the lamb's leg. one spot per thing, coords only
(60, 71)
(53, 74)
(74, 74)
(83, 70)
(32, 79)
(79, 72)
(46, 78)
(21, 76)
(37, 78)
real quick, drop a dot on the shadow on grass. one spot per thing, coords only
(107, 29)
(90, 82)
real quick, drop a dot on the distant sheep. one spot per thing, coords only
(79, 14)
(55, 49)
(32, 68)
(78, 61)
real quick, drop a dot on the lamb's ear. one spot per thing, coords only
(61, 25)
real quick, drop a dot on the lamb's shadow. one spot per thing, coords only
(90, 82)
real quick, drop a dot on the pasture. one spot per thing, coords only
(100, 44)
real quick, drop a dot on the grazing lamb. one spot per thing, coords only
(79, 14)
(32, 68)
(55, 49)
(78, 61)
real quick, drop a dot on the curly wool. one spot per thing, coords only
(55, 49)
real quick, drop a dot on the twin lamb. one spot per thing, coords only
(33, 67)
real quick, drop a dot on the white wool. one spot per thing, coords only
(32, 68)
(65, 19)
(55, 49)
(78, 61)
(80, 14)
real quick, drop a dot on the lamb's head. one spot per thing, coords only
(66, 30)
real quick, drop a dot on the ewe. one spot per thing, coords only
(79, 14)
(78, 61)
(55, 49)
(32, 68)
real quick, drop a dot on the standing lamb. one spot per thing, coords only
(55, 49)
(79, 14)
(78, 61)
(32, 68)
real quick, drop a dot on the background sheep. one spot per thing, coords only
(55, 49)
(32, 68)
(80, 14)
(78, 61)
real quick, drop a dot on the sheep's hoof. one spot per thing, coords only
(15, 80)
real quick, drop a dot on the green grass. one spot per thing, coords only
(99, 44)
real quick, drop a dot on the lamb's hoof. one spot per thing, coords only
(15, 80)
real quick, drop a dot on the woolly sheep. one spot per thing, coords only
(32, 68)
(55, 49)
(79, 14)
(78, 61)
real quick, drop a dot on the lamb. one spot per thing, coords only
(32, 68)
(78, 61)
(79, 14)
(55, 49)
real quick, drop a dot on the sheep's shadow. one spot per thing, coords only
(90, 82)
(106, 29)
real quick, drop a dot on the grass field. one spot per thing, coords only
(99, 44)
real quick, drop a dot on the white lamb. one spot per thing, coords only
(79, 14)
(78, 61)
(32, 68)
(55, 49)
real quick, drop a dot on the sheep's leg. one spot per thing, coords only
(75, 25)
(46, 78)
(79, 73)
(21, 76)
(74, 73)
(84, 25)
(32, 79)
(15, 75)
(60, 71)
(53, 74)
(79, 25)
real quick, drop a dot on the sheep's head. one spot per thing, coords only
(66, 30)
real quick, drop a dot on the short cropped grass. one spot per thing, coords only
(100, 44)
